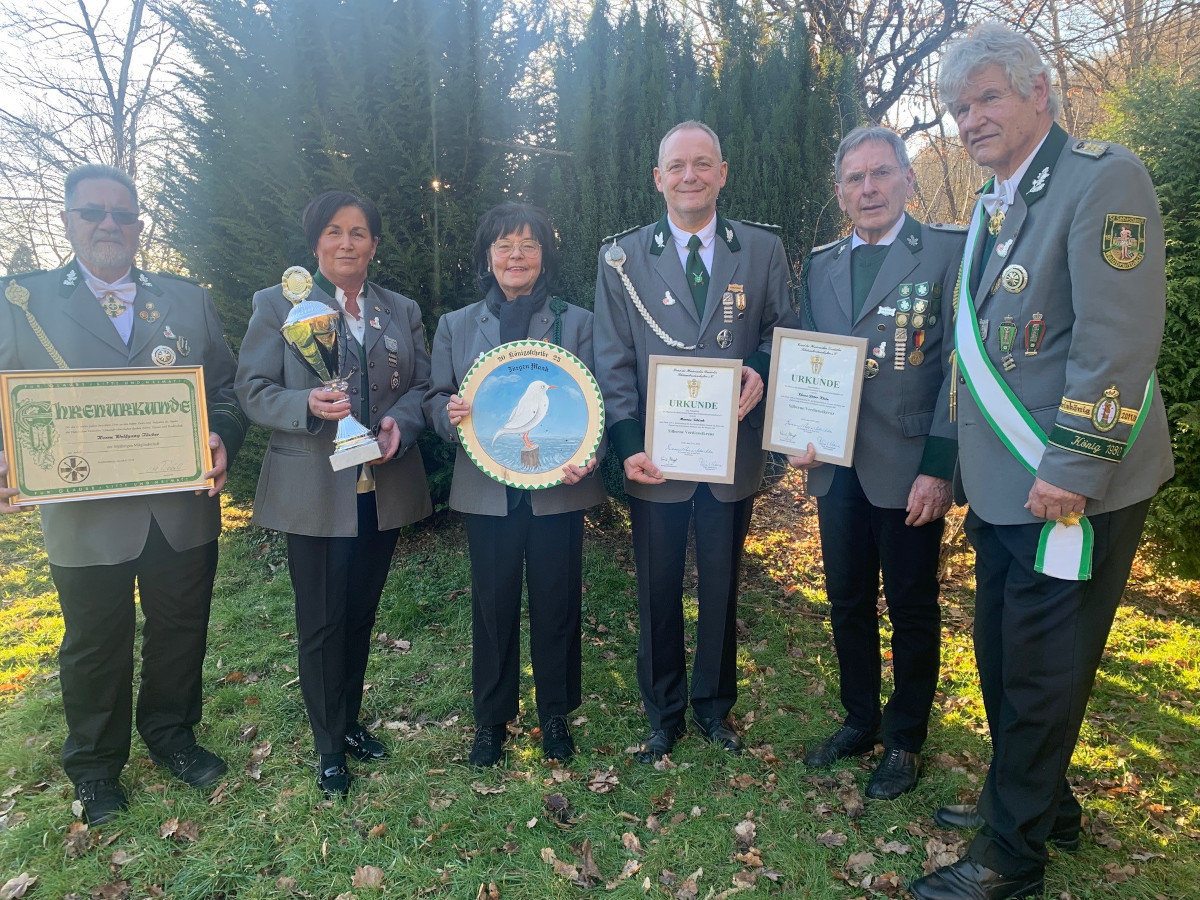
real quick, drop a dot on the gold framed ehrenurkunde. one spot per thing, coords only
(535, 408)
(691, 417)
(80, 434)
(814, 394)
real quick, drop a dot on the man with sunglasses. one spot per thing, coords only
(101, 312)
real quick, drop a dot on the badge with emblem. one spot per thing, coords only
(913, 240)
(112, 305)
(390, 343)
(906, 292)
(983, 329)
(739, 295)
(72, 275)
(168, 333)
(1035, 330)
(1014, 278)
(395, 380)
(162, 355)
(1107, 411)
(880, 352)
(375, 324)
(1003, 247)
(1124, 241)
(901, 339)
(660, 240)
(918, 355)
(1039, 183)
(921, 305)
(150, 314)
(297, 284)
(871, 369)
(668, 300)
(887, 310)
(902, 319)
(143, 280)
(904, 304)
(614, 255)
(182, 345)
(727, 306)
(724, 338)
(935, 290)
(921, 289)
(918, 320)
(1007, 333)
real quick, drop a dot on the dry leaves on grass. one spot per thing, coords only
(16, 887)
(186, 830)
(78, 841)
(367, 878)
(745, 831)
(286, 885)
(941, 853)
(560, 811)
(860, 862)
(630, 842)
(584, 875)
(831, 839)
(258, 753)
(480, 788)
(852, 802)
(120, 858)
(689, 889)
(117, 890)
(488, 891)
(602, 782)
(891, 847)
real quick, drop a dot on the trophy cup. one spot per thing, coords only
(316, 333)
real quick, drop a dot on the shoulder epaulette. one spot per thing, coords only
(15, 275)
(620, 234)
(824, 247)
(177, 277)
(1094, 149)
(949, 226)
(778, 229)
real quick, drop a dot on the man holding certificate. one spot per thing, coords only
(890, 282)
(99, 312)
(1063, 438)
(694, 285)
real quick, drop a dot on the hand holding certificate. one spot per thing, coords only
(815, 389)
(692, 417)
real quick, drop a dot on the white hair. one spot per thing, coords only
(870, 134)
(993, 44)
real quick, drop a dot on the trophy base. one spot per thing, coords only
(355, 455)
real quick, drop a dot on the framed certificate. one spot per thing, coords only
(79, 434)
(815, 389)
(534, 409)
(691, 417)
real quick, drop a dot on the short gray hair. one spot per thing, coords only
(99, 173)
(687, 126)
(870, 134)
(988, 44)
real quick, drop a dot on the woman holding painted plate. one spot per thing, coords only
(510, 528)
(341, 520)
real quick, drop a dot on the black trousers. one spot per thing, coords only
(660, 533)
(96, 656)
(857, 540)
(338, 582)
(550, 550)
(1038, 642)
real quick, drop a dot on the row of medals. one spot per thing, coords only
(917, 306)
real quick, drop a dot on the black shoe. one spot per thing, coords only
(362, 745)
(557, 742)
(844, 742)
(193, 765)
(966, 815)
(334, 781)
(718, 731)
(658, 743)
(101, 800)
(488, 746)
(968, 880)
(896, 774)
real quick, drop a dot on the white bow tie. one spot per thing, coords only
(124, 292)
(1000, 197)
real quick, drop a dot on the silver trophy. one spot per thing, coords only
(317, 335)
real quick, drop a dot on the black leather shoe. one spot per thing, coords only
(658, 743)
(101, 800)
(488, 746)
(717, 731)
(557, 742)
(966, 815)
(362, 745)
(968, 880)
(844, 742)
(896, 774)
(193, 765)
(334, 781)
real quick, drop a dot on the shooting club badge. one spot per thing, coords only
(162, 355)
(1107, 411)
(1124, 240)
(739, 295)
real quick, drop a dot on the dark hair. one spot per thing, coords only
(324, 207)
(506, 219)
(97, 171)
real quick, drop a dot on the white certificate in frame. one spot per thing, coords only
(79, 434)
(691, 417)
(815, 390)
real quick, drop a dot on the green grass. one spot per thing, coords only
(422, 817)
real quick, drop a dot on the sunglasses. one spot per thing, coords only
(91, 214)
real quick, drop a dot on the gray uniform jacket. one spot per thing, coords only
(748, 261)
(298, 491)
(170, 313)
(1102, 309)
(462, 337)
(899, 408)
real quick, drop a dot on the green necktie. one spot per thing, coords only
(865, 263)
(697, 275)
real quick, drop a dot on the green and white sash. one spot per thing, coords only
(1064, 551)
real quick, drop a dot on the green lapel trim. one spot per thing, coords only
(1037, 177)
(326, 285)
(142, 280)
(72, 278)
(725, 232)
(662, 237)
(910, 234)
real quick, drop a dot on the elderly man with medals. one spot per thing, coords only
(888, 281)
(692, 285)
(1062, 435)
(100, 312)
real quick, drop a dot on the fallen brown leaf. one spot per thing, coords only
(286, 884)
(488, 891)
(117, 890)
(891, 847)
(480, 788)
(831, 839)
(378, 830)
(78, 840)
(860, 862)
(630, 842)
(367, 877)
(852, 802)
(17, 886)
(745, 831)
(602, 782)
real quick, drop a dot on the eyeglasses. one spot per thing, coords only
(506, 248)
(881, 175)
(92, 214)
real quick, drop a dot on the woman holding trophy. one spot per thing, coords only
(336, 367)
(509, 529)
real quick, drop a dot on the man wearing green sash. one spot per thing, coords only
(1062, 438)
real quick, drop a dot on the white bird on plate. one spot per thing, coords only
(529, 412)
